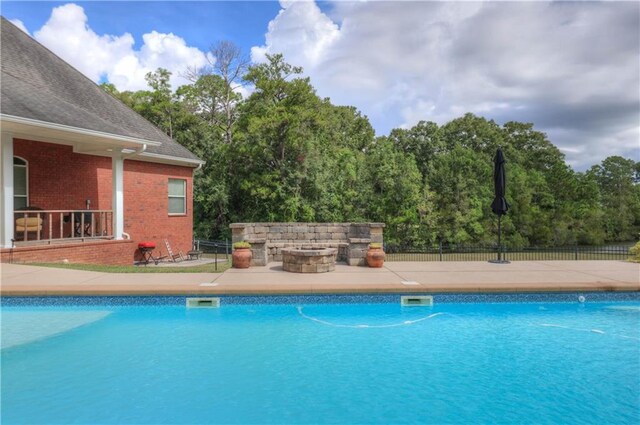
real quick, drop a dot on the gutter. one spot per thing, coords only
(175, 160)
(17, 124)
(75, 130)
(137, 151)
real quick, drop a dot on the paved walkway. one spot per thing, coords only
(406, 277)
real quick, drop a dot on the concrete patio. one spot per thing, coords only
(395, 277)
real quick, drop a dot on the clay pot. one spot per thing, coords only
(375, 257)
(241, 258)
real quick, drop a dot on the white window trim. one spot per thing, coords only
(26, 167)
(184, 198)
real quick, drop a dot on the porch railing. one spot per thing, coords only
(58, 225)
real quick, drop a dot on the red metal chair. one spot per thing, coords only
(146, 250)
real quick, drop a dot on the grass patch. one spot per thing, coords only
(206, 268)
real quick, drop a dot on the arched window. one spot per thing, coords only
(20, 183)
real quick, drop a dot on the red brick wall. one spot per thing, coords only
(95, 252)
(146, 205)
(62, 179)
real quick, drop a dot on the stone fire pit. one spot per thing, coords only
(301, 260)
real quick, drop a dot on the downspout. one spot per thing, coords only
(199, 167)
(135, 152)
(129, 155)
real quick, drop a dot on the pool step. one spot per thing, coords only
(204, 302)
(416, 300)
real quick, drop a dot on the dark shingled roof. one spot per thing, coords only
(37, 84)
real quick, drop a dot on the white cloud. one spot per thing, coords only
(301, 30)
(571, 68)
(18, 23)
(68, 34)
(244, 91)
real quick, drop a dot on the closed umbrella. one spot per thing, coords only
(500, 206)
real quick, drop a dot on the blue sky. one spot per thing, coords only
(571, 68)
(199, 23)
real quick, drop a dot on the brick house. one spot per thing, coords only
(84, 177)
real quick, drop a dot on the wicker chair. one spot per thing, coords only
(28, 225)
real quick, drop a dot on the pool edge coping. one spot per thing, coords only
(213, 291)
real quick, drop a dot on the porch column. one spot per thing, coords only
(6, 174)
(117, 203)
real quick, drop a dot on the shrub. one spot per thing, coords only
(375, 245)
(241, 245)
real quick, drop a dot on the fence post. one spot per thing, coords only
(226, 249)
(440, 249)
(576, 252)
(215, 258)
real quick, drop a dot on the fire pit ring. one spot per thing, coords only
(315, 260)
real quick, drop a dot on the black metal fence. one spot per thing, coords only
(444, 252)
(219, 251)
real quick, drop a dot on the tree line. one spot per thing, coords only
(285, 154)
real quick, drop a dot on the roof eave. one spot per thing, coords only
(88, 141)
(26, 127)
(167, 159)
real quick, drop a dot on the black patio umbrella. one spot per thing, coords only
(499, 206)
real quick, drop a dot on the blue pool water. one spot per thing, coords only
(543, 363)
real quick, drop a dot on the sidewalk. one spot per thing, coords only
(398, 277)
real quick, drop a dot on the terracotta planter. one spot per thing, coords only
(241, 258)
(375, 257)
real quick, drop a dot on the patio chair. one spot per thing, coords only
(79, 231)
(173, 257)
(28, 225)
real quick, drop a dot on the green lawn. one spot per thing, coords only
(207, 268)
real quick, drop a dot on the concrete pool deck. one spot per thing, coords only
(395, 277)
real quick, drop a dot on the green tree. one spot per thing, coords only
(423, 141)
(462, 183)
(588, 215)
(284, 154)
(276, 132)
(620, 197)
(335, 165)
(214, 94)
(213, 99)
(472, 132)
(395, 194)
(547, 216)
(158, 104)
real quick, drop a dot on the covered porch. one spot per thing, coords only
(61, 187)
(34, 226)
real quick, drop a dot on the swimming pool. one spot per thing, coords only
(298, 360)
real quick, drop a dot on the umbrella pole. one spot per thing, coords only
(500, 256)
(499, 241)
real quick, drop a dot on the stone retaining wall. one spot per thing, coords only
(267, 239)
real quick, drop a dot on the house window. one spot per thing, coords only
(177, 197)
(20, 183)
